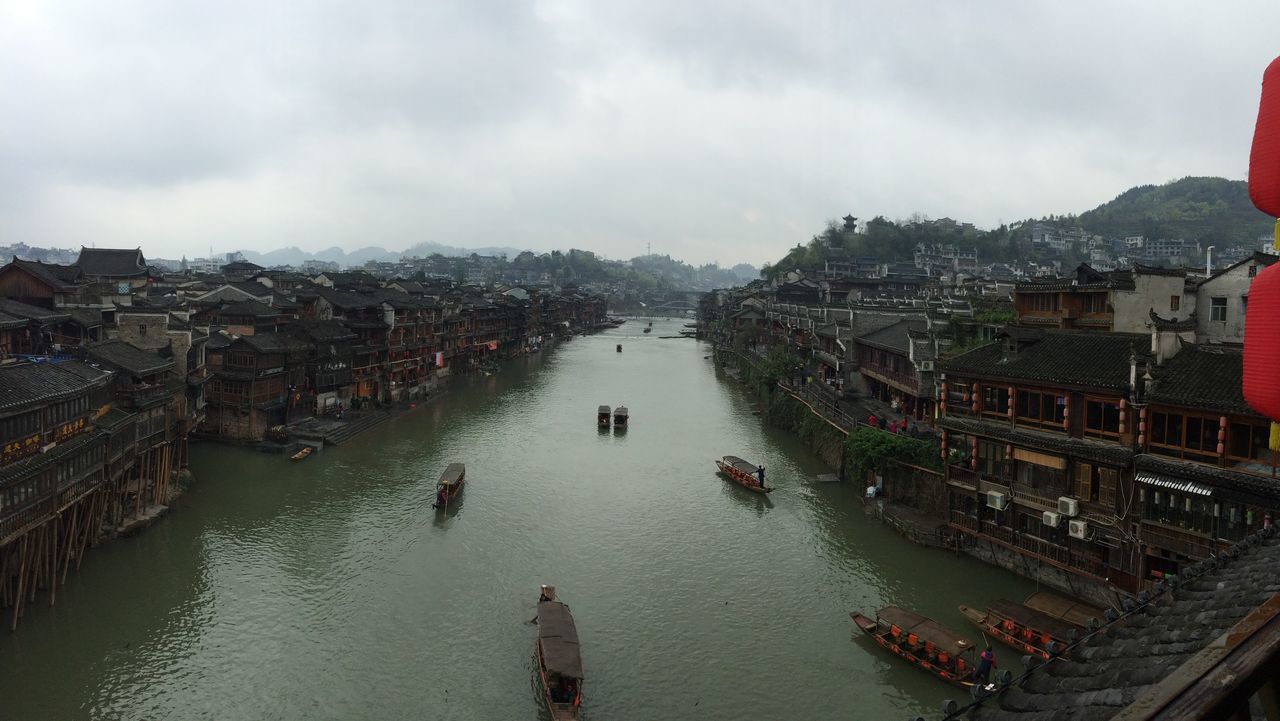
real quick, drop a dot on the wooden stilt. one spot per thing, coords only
(53, 558)
(73, 530)
(22, 577)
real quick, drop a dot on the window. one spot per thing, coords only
(1218, 309)
(1044, 302)
(995, 399)
(990, 458)
(1040, 408)
(1248, 441)
(1095, 303)
(1253, 271)
(1101, 418)
(1181, 436)
(1175, 302)
(142, 330)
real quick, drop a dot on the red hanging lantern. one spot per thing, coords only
(1262, 317)
(1262, 344)
(1264, 156)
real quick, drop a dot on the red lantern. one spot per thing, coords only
(1262, 344)
(1264, 157)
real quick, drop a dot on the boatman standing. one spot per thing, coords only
(986, 662)
(760, 473)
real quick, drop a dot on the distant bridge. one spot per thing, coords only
(667, 309)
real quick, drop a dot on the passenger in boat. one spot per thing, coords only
(986, 662)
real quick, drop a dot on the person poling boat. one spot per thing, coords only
(450, 484)
(923, 642)
(559, 660)
(747, 475)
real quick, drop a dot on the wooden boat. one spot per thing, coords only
(1021, 627)
(1062, 608)
(602, 416)
(744, 474)
(923, 642)
(620, 416)
(559, 660)
(306, 451)
(648, 330)
(619, 347)
(450, 484)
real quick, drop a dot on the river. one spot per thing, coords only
(329, 589)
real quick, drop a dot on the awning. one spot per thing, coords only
(1173, 484)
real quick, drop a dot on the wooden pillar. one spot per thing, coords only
(22, 578)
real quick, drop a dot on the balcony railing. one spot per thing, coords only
(1179, 541)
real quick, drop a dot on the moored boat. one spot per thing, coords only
(648, 330)
(1021, 627)
(1062, 608)
(620, 417)
(302, 453)
(922, 642)
(602, 416)
(450, 484)
(619, 347)
(747, 475)
(559, 659)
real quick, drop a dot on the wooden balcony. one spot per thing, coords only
(1188, 543)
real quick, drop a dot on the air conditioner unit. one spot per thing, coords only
(926, 366)
(997, 500)
(1077, 528)
(1051, 519)
(1068, 507)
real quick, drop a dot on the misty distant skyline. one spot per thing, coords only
(714, 131)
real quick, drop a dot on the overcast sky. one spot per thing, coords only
(715, 130)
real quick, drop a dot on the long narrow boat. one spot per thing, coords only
(620, 417)
(559, 660)
(922, 642)
(1021, 627)
(602, 416)
(306, 451)
(745, 474)
(450, 484)
(1060, 607)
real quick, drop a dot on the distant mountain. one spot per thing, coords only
(1212, 210)
(296, 256)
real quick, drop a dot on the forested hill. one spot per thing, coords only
(1215, 210)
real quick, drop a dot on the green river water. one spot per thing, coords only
(329, 589)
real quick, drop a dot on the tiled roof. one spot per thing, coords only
(113, 418)
(1111, 669)
(1099, 451)
(273, 342)
(25, 384)
(328, 331)
(346, 300)
(128, 357)
(32, 312)
(1236, 484)
(1090, 360)
(59, 277)
(109, 262)
(27, 466)
(894, 337)
(1202, 377)
(253, 288)
(252, 308)
(9, 322)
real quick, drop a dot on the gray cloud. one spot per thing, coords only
(716, 130)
